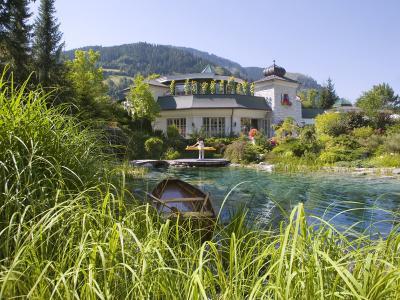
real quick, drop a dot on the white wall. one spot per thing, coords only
(273, 90)
(195, 116)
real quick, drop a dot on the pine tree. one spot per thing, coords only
(328, 95)
(15, 36)
(4, 26)
(47, 45)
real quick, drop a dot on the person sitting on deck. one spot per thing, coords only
(200, 146)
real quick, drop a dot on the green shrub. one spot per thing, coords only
(242, 151)
(173, 132)
(392, 143)
(219, 143)
(372, 144)
(262, 142)
(386, 160)
(293, 147)
(331, 124)
(363, 132)
(174, 139)
(286, 130)
(355, 119)
(395, 128)
(154, 147)
(135, 147)
(251, 153)
(171, 154)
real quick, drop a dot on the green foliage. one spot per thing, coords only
(172, 87)
(15, 32)
(221, 86)
(380, 97)
(363, 132)
(141, 99)
(42, 151)
(341, 148)
(171, 154)
(242, 151)
(47, 45)
(230, 86)
(309, 98)
(245, 88)
(219, 143)
(213, 86)
(292, 147)
(86, 79)
(252, 88)
(332, 124)
(194, 87)
(145, 58)
(286, 130)
(386, 161)
(70, 230)
(392, 143)
(173, 132)
(372, 144)
(328, 95)
(154, 147)
(174, 138)
(239, 89)
(187, 87)
(355, 120)
(204, 88)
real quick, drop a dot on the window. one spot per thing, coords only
(245, 125)
(214, 126)
(179, 89)
(262, 125)
(180, 123)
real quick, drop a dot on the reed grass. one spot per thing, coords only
(69, 231)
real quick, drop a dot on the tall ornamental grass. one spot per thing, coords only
(68, 233)
(43, 152)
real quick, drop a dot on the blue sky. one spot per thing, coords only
(355, 42)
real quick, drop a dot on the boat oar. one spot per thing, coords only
(174, 209)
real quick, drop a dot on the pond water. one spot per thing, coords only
(364, 204)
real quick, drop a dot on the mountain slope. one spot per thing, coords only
(145, 58)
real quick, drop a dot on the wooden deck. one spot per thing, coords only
(181, 163)
(199, 162)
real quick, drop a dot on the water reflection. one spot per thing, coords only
(365, 203)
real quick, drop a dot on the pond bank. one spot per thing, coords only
(265, 166)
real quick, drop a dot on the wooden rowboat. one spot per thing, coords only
(190, 148)
(174, 197)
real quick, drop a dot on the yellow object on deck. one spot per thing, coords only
(190, 148)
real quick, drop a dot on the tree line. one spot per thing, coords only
(27, 48)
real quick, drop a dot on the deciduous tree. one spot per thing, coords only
(143, 104)
(380, 97)
(86, 78)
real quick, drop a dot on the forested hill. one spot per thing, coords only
(145, 58)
